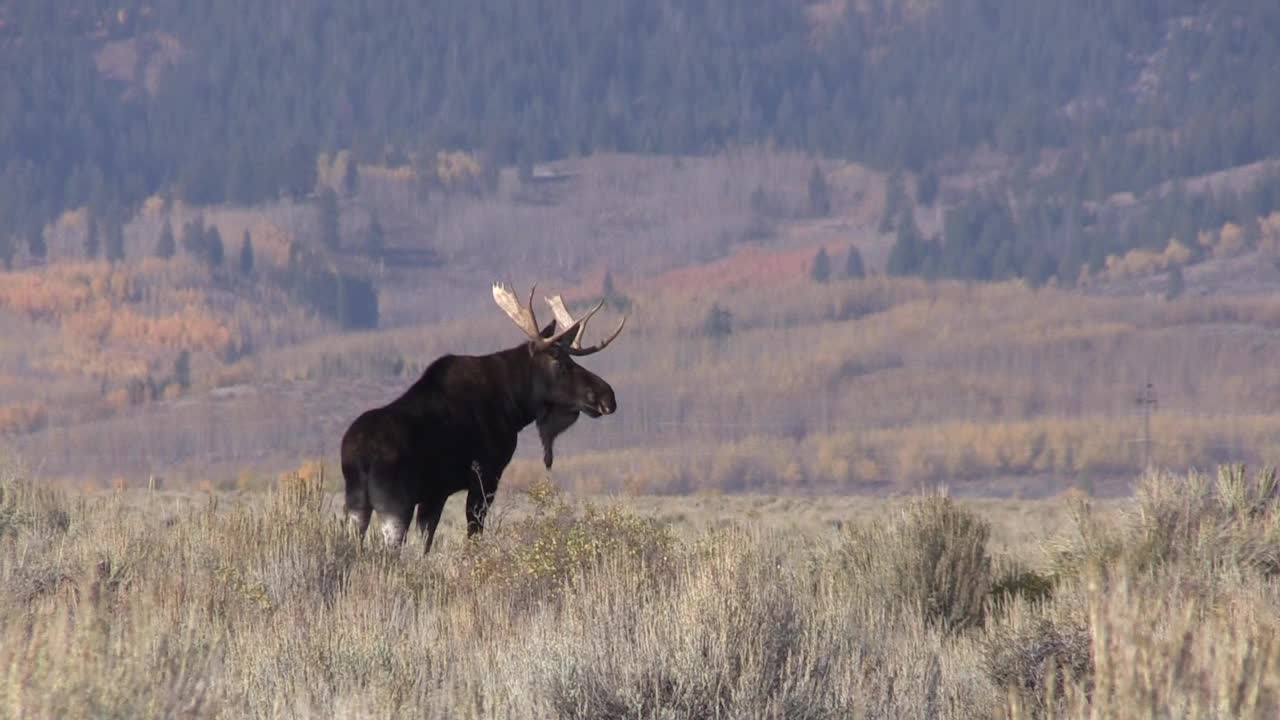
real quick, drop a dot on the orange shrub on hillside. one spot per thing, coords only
(58, 291)
(1269, 228)
(458, 169)
(1147, 262)
(17, 418)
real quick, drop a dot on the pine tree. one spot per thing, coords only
(351, 177)
(246, 255)
(182, 369)
(115, 242)
(821, 269)
(92, 243)
(36, 244)
(895, 199)
(927, 186)
(165, 245)
(819, 193)
(1177, 284)
(329, 218)
(215, 251)
(853, 267)
(375, 239)
(907, 254)
(193, 237)
(718, 323)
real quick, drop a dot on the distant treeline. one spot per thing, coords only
(232, 101)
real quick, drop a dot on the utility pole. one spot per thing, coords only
(1147, 399)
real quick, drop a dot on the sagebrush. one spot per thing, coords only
(262, 605)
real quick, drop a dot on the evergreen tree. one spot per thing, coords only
(524, 165)
(165, 245)
(329, 218)
(820, 271)
(115, 241)
(895, 200)
(606, 287)
(215, 251)
(246, 254)
(907, 256)
(36, 244)
(375, 239)
(182, 369)
(92, 243)
(193, 238)
(1177, 284)
(819, 193)
(760, 204)
(351, 177)
(927, 186)
(612, 297)
(718, 323)
(853, 267)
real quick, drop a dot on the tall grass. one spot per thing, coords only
(150, 605)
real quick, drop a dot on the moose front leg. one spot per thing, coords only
(478, 502)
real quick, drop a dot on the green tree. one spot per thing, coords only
(820, 271)
(246, 254)
(819, 193)
(193, 237)
(524, 165)
(214, 251)
(36, 244)
(927, 186)
(329, 218)
(115, 241)
(375, 238)
(907, 256)
(182, 369)
(718, 323)
(92, 242)
(165, 245)
(351, 177)
(853, 267)
(895, 199)
(612, 297)
(1177, 284)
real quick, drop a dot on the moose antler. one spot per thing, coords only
(525, 319)
(565, 320)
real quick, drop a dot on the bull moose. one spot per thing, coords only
(455, 428)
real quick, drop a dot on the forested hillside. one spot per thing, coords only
(228, 228)
(105, 103)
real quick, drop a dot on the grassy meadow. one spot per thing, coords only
(158, 604)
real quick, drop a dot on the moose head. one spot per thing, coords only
(563, 388)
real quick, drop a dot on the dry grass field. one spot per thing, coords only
(140, 604)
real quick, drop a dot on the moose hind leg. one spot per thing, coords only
(357, 506)
(394, 527)
(429, 519)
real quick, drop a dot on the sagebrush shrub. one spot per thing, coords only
(537, 554)
(931, 557)
(1186, 522)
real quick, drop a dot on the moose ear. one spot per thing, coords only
(549, 330)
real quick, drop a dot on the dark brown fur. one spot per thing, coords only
(455, 429)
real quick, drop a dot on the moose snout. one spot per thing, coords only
(607, 404)
(597, 403)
